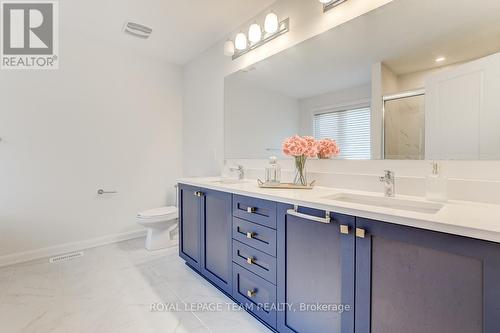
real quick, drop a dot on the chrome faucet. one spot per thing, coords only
(241, 171)
(389, 183)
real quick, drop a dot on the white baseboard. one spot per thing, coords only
(16, 258)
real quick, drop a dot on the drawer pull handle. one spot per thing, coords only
(344, 229)
(198, 194)
(251, 210)
(360, 233)
(250, 260)
(295, 212)
(251, 293)
(251, 235)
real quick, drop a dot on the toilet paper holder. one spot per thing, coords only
(101, 192)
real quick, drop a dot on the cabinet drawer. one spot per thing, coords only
(255, 261)
(255, 210)
(255, 294)
(255, 235)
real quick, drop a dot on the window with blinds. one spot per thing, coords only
(349, 128)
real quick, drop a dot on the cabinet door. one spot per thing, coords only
(412, 280)
(315, 273)
(189, 225)
(216, 238)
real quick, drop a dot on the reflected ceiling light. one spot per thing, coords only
(240, 42)
(229, 48)
(271, 23)
(440, 59)
(325, 1)
(255, 33)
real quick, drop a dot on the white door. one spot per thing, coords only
(463, 111)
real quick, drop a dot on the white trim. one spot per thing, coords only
(45, 252)
(358, 104)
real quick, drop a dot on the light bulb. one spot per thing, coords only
(240, 42)
(271, 23)
(255, 33)
(229, 48)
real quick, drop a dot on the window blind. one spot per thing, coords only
(349, 128)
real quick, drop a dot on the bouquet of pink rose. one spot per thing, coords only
(302, 147)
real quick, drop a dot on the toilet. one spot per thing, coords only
(161, 225)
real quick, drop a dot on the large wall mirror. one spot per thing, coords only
(414, 79)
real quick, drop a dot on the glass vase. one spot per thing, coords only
(300, 171)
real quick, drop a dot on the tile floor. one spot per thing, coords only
(111, 289)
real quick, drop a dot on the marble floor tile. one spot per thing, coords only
(115, 288)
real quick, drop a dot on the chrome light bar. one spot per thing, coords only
(283, 28)
(332, 4)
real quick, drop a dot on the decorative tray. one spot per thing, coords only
(285, 185)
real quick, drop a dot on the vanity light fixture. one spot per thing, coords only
(330, 4)
(440, 59)
(240, 41)
(254, 33)
(271, 23)
(229, 48)
(256, 36)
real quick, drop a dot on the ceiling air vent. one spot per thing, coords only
(137, 30)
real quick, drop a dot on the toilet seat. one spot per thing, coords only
(161, 226)
(161, 214)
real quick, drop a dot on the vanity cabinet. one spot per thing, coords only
(216, 229)
(303, 270)
(413, 280)
(205, 233)
(254, 256)
(190, 225)
(315, 268)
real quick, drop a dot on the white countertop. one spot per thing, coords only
(470, 219)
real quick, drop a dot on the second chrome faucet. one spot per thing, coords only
(241, 171)
(389, 183)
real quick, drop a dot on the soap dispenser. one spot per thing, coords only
(436, 185)
(273, 172)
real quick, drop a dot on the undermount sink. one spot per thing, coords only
(228, 181)
(388, 202)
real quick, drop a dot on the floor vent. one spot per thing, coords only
(66, 257)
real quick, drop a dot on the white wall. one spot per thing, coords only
(257, 120)
(106, 119)
(203, 135)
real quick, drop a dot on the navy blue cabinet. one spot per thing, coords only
(413, 280)
(190, 225)
(216, 258)
(315, 272)
(205, 233)
(304, 270)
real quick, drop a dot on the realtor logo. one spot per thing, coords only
(29, 35)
